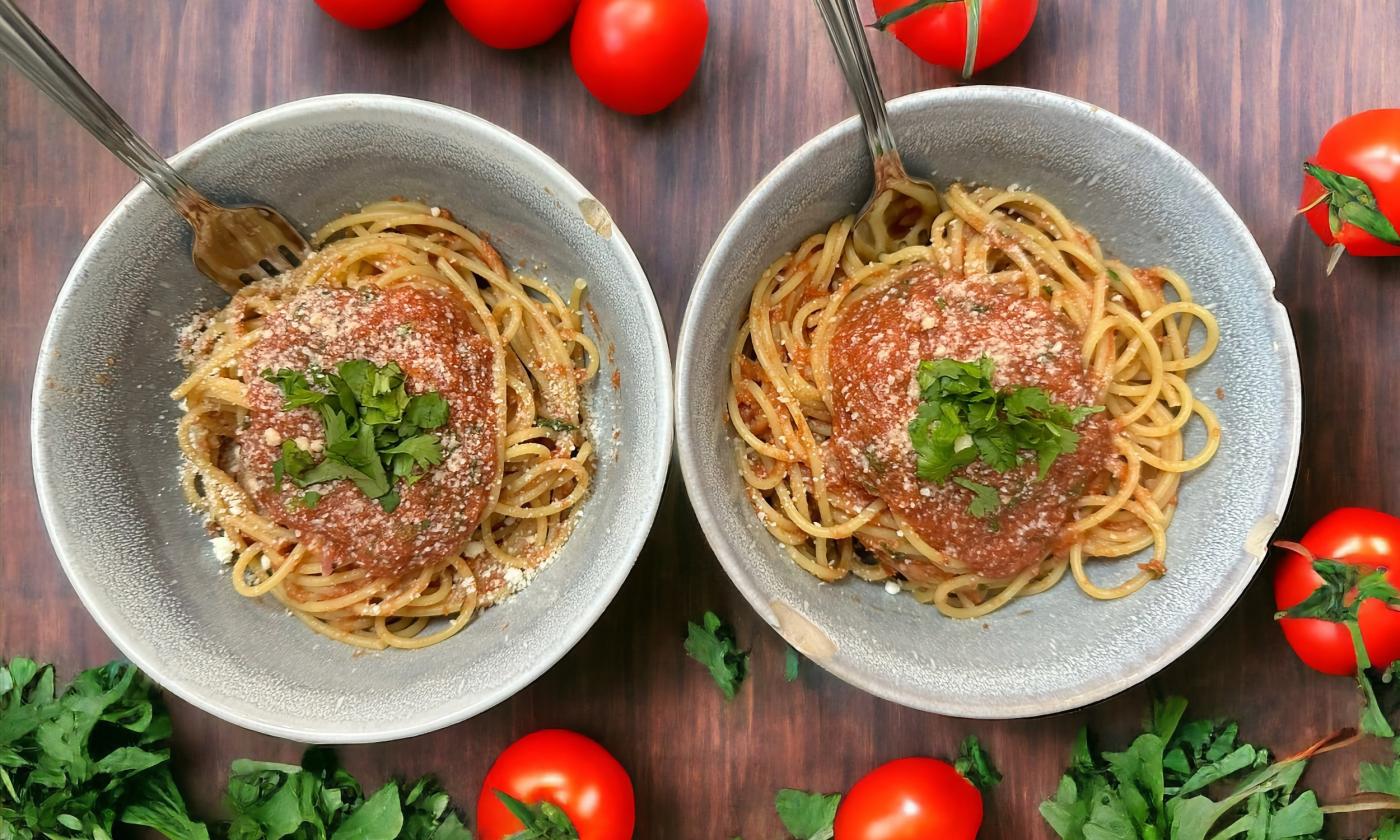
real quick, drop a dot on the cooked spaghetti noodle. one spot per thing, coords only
(970, 273)
(400, 284)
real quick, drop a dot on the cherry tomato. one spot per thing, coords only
(1364, 146)
(369, 14)
(938, 34)
(1366, 538)
(638, 56)
(512, 24)
(910, 799)
(567, 769)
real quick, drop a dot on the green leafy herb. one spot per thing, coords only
(1350, 201)
(962, 417)
(791, 663)
(377, 434)
(542, 820)
(1344, 587)
(1158, 787)
(712, 644)
(985, 501)
(974, 763)
(807, 816)
(556, 425)
(76, 761)
(319, 799)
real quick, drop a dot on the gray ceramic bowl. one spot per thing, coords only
(1058, 650)
(105, 458)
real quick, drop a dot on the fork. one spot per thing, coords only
(847, 36)
(233, 246)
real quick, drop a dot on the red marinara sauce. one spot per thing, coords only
(428, 334)
(876, 349)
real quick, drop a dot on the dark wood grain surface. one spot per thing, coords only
(1243, 89)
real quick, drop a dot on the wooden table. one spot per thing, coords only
(1243, 89)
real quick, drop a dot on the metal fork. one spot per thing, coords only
(847, 35)
(233, 246)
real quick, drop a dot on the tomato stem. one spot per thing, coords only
(974, 26)
(1311, 204)
(886, 21)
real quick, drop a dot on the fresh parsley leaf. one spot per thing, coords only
(542, 820)
(791, 663)
(292, 464)
(423, 449)
(807, 816)
(962, 417)
(974, 763)
(712, 644)
(556, 425)
(427, 411)
(296, 390)
(985, 501)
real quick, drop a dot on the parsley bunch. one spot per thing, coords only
(75, 762)
(319, 800)
(376, 433)
(1183, 781)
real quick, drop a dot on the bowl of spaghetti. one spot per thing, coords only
(378, 493)
(1012, 444)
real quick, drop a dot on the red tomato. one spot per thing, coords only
(910, 799)
(567, 769)
(512, 24)
(369, 14)
(638, 56)
(1365, 146)
(1352, 535)
(938, 34)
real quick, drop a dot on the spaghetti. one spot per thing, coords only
(823, 390)
(400, 288)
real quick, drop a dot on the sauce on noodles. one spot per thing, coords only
(878, 344)
(429, 336)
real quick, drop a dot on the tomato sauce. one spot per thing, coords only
(428, 334)
(877, 347)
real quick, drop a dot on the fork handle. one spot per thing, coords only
(39, 60)
(847, 35)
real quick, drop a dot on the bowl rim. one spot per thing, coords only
(710, 275)
(568, 188)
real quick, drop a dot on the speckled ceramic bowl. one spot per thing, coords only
(1061, 649)
(105, 457)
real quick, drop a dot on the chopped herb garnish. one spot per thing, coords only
(985, 501)
(556, 425)
(307, 500)
(377, 434)
(791, 663)
(711, 643)
(962, 417)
